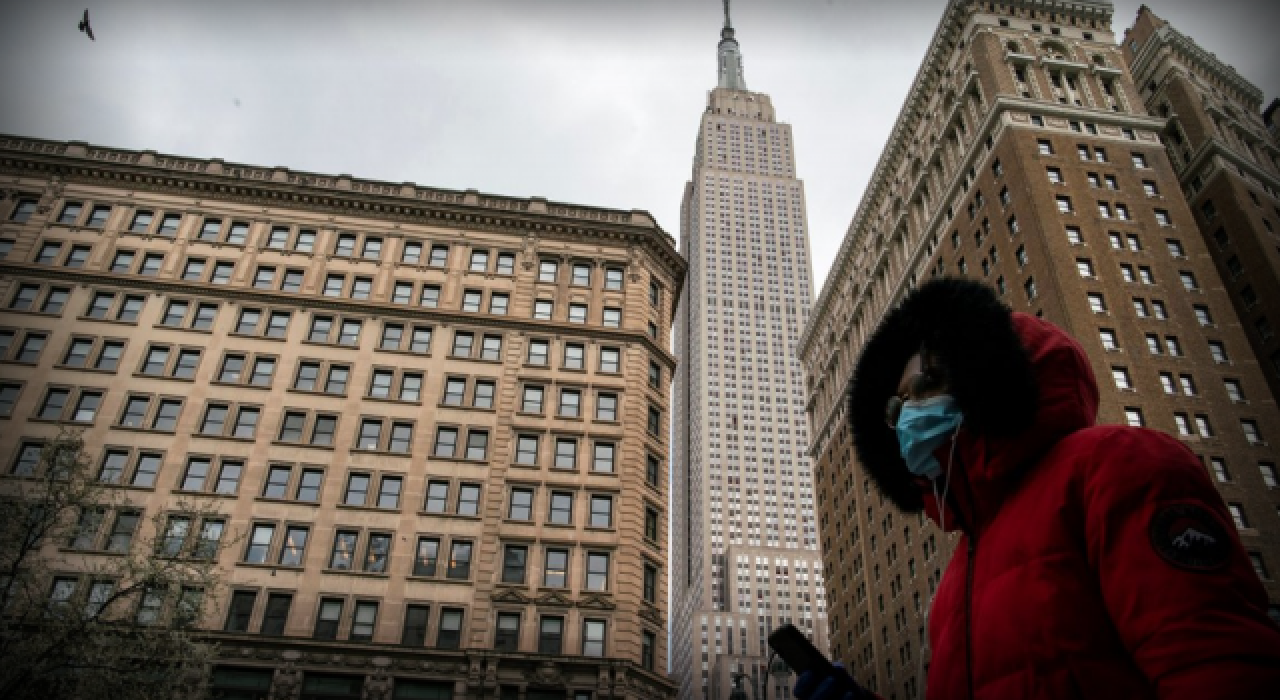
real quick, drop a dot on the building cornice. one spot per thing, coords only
(339, 195)
(350, 307)
(1190, 52)
(1215, 146)
(932, 70)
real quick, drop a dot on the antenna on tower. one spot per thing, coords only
(727, 23)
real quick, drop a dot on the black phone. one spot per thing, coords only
(800, 654)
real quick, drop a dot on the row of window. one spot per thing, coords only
(324, 329)
(345, 245)
(1253, 435)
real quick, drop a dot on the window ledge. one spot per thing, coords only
(273, 338)
(311, 392)
(231, 438)
(385, 453)
(116, 321)
(460, 460)
(409, 353)
(201, 331)
(360, 574)
(286, 501)
(206, 494)
(458, 516)
(140, 429)
(367, 509)
(283, 443)
(240, 385)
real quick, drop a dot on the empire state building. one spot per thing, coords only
(745, 554)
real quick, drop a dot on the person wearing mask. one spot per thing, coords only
(1094, 561)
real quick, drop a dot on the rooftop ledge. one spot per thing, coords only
(280, 175)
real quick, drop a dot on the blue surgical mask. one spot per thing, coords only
(923, 426)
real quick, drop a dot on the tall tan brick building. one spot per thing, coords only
(437, 418)
(1228, 165)
(1024, 157)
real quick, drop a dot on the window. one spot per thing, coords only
(577, 313)
(1133, 416)
(647, 643)
(446, 442)
(1188, 280)
(652, 470)
(450, 632)
(1237, 516)
(550, 634)
(1085, 267)
(581, 275)
(459, 560)
(606, 406)
(613, 278)
(1044, 147)
(603, 457)
(531, 401)
(1055, 175)
(477, 444)
(1251, 433)
(327, 618)
(276, 614)
(570, 403)
(260, 539)
(1174, 347)
(430, 297)
(507, 635)
(593, 638)
(514, 560)
(471, 300)
(561, 510)
(566, 453)
(1203, 426)
(527, 449)
(650, 583)
(240, 611)
(1162, 217)
(98, 216)
(499, 303)
(521, 504)
(469, 499)
(601, 512)
(462, 343)
(612, 318)
(574, 356)
(483, 395)
(1268, 471)
(1218, 351)
(1159, 310)
(1121, 377)
(506, 264)
(1097, 302)
(655, 421)
(1259, 566)
(491, 348)
(597, 571)
(556, 568)
(538, 352)
(547, 271)
(1234, 390)
(295, 545)
(1166, 383)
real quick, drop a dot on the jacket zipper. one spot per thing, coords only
(968, 614)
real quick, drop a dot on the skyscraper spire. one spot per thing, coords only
(731, 75)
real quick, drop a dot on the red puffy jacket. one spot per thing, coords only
(1108, 569)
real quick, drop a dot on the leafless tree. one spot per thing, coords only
(97, 599)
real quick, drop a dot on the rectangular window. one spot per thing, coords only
(556, 569)
(597, 571)
(468, 499)
(593, 638)
(240, 611)
(446, 442)
(514, 562)
(259, 543)
(439, 256)
(437, 496)
(550, 634)
(295, 545)
(424, 561)
(327, 618)
(601, 512)
(276, 615)
(459, 560)
(414, 633)
(378, 553)
(450, 632)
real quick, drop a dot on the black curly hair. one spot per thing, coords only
(967, 333)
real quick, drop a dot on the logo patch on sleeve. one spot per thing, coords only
(1190, 537)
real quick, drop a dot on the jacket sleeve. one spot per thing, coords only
(1179, 586)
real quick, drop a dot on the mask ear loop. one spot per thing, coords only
(942, 519)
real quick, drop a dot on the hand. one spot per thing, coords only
(810, 686)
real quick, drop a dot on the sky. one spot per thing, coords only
(587, 101)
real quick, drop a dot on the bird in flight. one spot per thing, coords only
(84, 25)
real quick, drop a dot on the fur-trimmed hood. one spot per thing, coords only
(1021, 383)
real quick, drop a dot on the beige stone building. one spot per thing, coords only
(1024, 157)
(1227, 160)
(437, 419)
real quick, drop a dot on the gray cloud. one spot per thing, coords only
(592, 101)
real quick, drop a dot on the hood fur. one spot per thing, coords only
(969, 333)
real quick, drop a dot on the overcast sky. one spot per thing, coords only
(588, 101)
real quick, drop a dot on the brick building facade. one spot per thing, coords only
(1024, 157)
